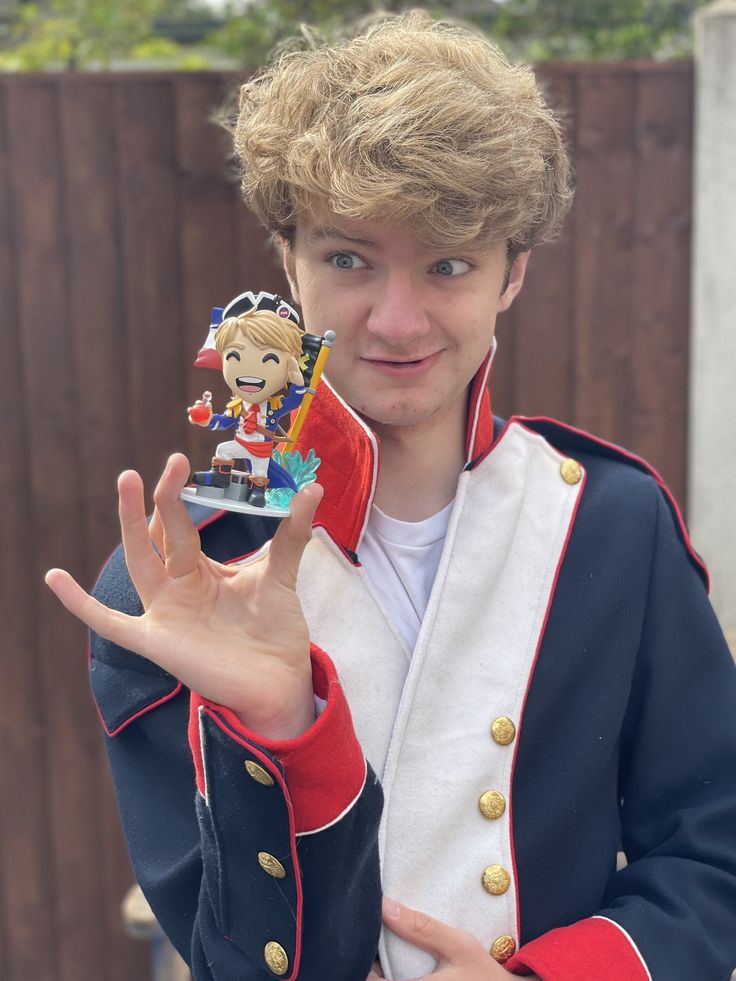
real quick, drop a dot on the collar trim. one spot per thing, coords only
(349, 453)
(479, 436)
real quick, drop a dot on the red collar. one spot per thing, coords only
(349, 451)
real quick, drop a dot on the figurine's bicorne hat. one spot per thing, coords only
(208, 356)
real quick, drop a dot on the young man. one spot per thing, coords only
(520, 629)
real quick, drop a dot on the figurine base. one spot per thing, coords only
(216, 497)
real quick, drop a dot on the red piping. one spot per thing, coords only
(542, 632)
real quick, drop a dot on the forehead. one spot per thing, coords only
(242, 342)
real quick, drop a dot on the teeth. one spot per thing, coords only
(250, 380)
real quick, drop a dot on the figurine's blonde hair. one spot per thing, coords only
(424, 121)
(264, 328)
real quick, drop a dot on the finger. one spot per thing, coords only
(121, 629)
(446, 943)
(181, 539)
(144, 565)
(156, 531)
(293, 536)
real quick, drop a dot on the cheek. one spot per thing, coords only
(479, 335)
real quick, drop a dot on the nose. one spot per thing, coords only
(399, 314)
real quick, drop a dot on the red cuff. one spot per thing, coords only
(324, 768)
(594, 948)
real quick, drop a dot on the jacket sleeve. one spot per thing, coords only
(221, 420)
(259, 859)
(668, 915)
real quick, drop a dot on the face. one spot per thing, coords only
(254, 373)
(412, 326)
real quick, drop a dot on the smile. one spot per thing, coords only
(249, 383)
(403, 368)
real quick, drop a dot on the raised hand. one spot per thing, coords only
(459, 956)
(235, 635)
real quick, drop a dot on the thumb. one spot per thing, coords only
(293, 536)
(446, 943)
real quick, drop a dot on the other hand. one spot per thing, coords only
(459, 955)
(235, 635)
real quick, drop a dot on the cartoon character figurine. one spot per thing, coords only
(268, 362)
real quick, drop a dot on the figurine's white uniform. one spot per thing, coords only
(247, 445)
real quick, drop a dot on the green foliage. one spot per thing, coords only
(164, 51)
(94, 33)
(539, 30)
(75, 34)
(534, 30)
(251, 30)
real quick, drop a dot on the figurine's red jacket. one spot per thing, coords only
(569, 661)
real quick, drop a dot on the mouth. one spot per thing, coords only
(249, 383)
(403, 366)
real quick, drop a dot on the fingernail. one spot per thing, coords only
(391, 908)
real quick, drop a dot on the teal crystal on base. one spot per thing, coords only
(302, 470)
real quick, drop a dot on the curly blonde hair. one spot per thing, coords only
(422, 120)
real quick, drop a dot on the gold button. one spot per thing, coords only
(503, 730)
(259, 774)
(275, 956)
(496, 880)
(492, 804)
(271, 865)
(572, 472)
(503, 948)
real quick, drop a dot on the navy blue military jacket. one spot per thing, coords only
(610, 725)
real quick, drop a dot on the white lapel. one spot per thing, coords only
(472, 664)
(346, 620)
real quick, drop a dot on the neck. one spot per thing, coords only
(420, 465)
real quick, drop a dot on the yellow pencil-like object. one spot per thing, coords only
(324, 352)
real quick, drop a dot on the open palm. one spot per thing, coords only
(235, 635)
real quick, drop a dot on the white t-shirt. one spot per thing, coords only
(400, 559)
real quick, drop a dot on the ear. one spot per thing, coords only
(516, 281)
(287, 256)
(293, 373)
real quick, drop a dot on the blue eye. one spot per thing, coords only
(449, 267)
(347, 260)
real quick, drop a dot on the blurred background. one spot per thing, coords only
(120, 228)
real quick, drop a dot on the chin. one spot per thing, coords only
(396, 414)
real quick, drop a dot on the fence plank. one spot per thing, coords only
(98, 329)
(661, 284)
(52, 419)
(97, 314)
(208, 260)
(604, 235)
(145, 136)
(544, 350)
(25, 851)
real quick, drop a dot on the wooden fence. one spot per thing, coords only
(119, 228)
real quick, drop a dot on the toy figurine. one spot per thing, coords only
(271, 367)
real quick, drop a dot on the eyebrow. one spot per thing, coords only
(320, 232)
(329, 231)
